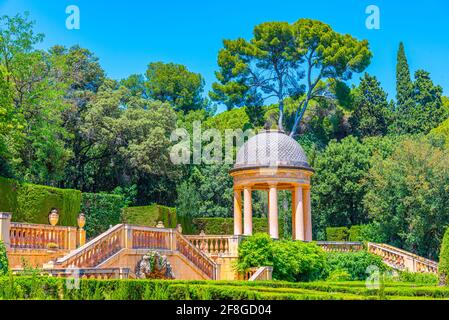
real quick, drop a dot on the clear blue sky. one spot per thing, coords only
(127, 35)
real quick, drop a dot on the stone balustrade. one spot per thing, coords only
(214, 245)
(262, 274)
(155, 238)
(39, 236)
(330, 246)
(401, 259)
(94, 252)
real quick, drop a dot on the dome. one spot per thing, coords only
(271, 148)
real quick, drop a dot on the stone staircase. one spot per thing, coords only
(123, 246)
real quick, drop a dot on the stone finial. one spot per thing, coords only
(160, 225)
(202, 233)
(179, 228)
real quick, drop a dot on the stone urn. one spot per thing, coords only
(53, 217)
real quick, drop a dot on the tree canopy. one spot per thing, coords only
(285, 60)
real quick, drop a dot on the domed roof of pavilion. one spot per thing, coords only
(271, 148)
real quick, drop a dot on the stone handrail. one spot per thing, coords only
(262, 273)
(215, 245)
(96, 250)
(401, 259)
(41, 236)
(331, 246)
(136, 237)
(196, 256)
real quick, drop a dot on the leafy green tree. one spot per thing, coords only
(175, 84)
(208, 191)
(429, 104)
(339, 183)
(372, 114)
(337, 186)
(440, 134)
(37, 99)
(407, 196)
(283, 60)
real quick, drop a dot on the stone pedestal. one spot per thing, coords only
(5, 225)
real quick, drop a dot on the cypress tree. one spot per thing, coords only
(404, 85)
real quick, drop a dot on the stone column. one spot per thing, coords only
(5, 226)
(247, 211)
(299, 214)
(237, 212)
(307, 215)
(273, 212)
(293, 213)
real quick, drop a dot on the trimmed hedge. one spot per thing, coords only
(354, 233)
(25, 287)
(443, 266)
(337, 234)
(32, 203)
(3, 260)
(222, 226)
(150, 215)
(102, 210)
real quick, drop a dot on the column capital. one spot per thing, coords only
(5, 215)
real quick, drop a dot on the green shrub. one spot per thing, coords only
(291, 260)
(32, 203)
(337, 234)
(297, 261)
(443, 266)
(339, 275)
(221, 226)
(355, 263)
(150, 215)
(3, 260)
(102, 210)
(255, 251)
(417, 277)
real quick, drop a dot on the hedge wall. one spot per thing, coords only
(353, 234)
(102, 210)
(150, 215)
(443, 266)
(32, 203)
(337, 234)
(226, 225)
